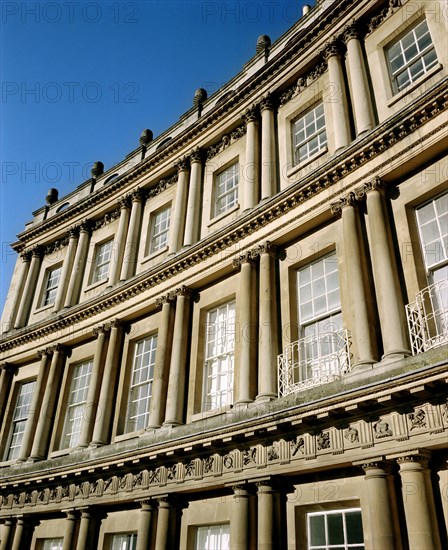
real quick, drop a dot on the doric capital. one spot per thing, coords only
(196, 155)
(182, 164)
(350, 32)
(377, 464)
(340, 204)
(267, 102)
(420, 456)
(251, 114)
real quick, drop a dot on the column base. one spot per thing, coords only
(34, 459)
(171, 424)
(152, 428)
(265, 397)
(95, 444)
(395, 355)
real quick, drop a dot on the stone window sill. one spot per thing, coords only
(96, 285)
(44, 308)
(215, 412)
(304, 163)
(409, 89)
(154, 255)
(223, 215)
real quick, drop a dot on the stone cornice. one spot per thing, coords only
(385, 136)
(294, 48)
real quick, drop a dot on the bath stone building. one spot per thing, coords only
(236, 337)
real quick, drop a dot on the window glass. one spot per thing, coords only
(227, 189)
(141, 384)
(52, 544)
(124, 541)
(213, 537)
(102, 261)
(20, 416)
(79, 387)
(219, 357)
(51, 287)
(411, 57)
(335, 530)
(309, 134)
(159, 230)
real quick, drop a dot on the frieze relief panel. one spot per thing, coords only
(423, 419)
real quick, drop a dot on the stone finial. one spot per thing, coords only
(146, 137)
(263, 44)
(97, 169)
(52, 196)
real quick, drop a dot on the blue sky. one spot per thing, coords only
(81, 79)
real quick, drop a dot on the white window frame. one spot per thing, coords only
(22, 405)
(160, 227)
(327, 546)
(144, 358)
(400, 46)
(129, 541)
(210, 537)
(103, 257)
(219, 366)
(76, 403)
(314, 127)
(227, 198)
(52, 280)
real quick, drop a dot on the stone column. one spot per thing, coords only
(88, 418)
(268, 338)
(382, 506)
(29, 288)
(23, 530)
(268, 149)
(268, 529)
(251, 175)
(387, 285)
(418, 502)
(162, 364)
(7, 533)
(146, 525)
(79, 264)
(85, 531)
(24, 270)
(67, 268)
(120, 241)
(193, 217)
(177, 221)
(6, 374)
(36, 403)
(246, 317)
(360, 90)
(240, 524)
(337, 98)
(69, 531)
(106, 401)
(46, 418)
(361, 322)
(175, 404)
(133, 236)
(166, 522)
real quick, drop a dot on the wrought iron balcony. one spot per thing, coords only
(428, 317)
(313, 360)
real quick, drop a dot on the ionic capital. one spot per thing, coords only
(115, 323)
(268, 248)
(8, 367)
(247, 257)
(340, 204)
(165, 299)
(101, 329)
(59, 348)
(42, 352)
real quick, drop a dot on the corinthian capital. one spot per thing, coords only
(251, 114)
(330, 49)
(182, 164)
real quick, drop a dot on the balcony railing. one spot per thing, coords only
(428, 317)
(313, 360)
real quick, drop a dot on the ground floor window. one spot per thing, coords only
(335, 530)
(52, 544)
(213, 537)
(124, 541)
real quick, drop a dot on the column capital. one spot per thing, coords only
(350, 32)
(374, 185)
(268, 248)
(196, 155)
(184, 291)
(376, 464)
(340, 204)
(8, 367)
(245, 258)
(330, 49)
(168, 298)
(251, 114)
(26, 255)
(182, 164)
(37, 251)
(137, 195)
(267, 102)
(73, 232)
(101, 329)
(57, 348)
(45, 351)
(124, 202)
(420, 456)
(85, 226)
(115, 323)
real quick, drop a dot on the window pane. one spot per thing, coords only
(213, 537)
(20, 416)
(432, 224)
(335, 529)
(226, 189)
(124, 541)
(353, 524)
(309, 134)
(317, 530)
(52, 544)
